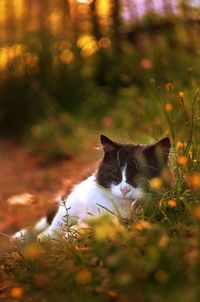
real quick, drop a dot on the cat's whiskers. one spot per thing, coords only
(148, 166)
(118, 161)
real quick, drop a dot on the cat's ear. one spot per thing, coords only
(163, 146)
(108, 144)
(160, 150)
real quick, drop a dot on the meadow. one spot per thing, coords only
(133, 81)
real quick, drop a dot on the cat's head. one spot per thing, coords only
(127, 168)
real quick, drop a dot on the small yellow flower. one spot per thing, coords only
(197, 212)
(182, 160)
(171, 203)
(194, 180)
(83, 276)
(181, 94)
(17, 292)
(146, 64)
(156, 183)
(139, 226)
(168, 107)
(180, 145)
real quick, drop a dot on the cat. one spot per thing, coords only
(120, 181)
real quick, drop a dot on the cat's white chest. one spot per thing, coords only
(89, 199)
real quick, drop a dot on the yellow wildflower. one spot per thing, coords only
(156, 183)
(17, 292)
(171, 203)
(146, 64)
(197, 212)
(139, 226)
(182, 160)
(83, 276)
(168, 107)
(194, 180)
(180, 145)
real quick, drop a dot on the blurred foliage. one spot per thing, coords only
(70, 69)
(102, 63)
(151, 257)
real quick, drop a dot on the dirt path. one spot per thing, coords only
(23, 178)
(20, 173)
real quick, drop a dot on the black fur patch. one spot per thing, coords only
(51, 213)
(142, 162)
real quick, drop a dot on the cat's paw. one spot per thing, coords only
(44, 236)
(20, 236)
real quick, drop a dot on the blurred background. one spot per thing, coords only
(70, 69)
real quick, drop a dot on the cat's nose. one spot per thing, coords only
(125, 190)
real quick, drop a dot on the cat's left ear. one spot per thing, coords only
(163, 146)
(162, 149)
(108, 144)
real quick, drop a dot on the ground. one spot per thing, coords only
(22, 174)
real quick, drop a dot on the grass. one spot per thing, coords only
(155, 256)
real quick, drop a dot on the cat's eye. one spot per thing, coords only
(116, 180)
(115, 176)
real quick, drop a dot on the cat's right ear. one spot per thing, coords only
(107, 144)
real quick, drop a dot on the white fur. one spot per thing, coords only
(132, 193)
(86, 199)
(41, 226)
(89, 198)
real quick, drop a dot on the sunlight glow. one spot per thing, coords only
(19, 8)
(88, 45)
(55, 20)
(104, 8)
(67, 56)
(21, 199)
(8, 54)
(104, 42)
(85, 1)
(2, 12)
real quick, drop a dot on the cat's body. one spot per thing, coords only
(120, 180)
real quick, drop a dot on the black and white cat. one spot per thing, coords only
(120, 180)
